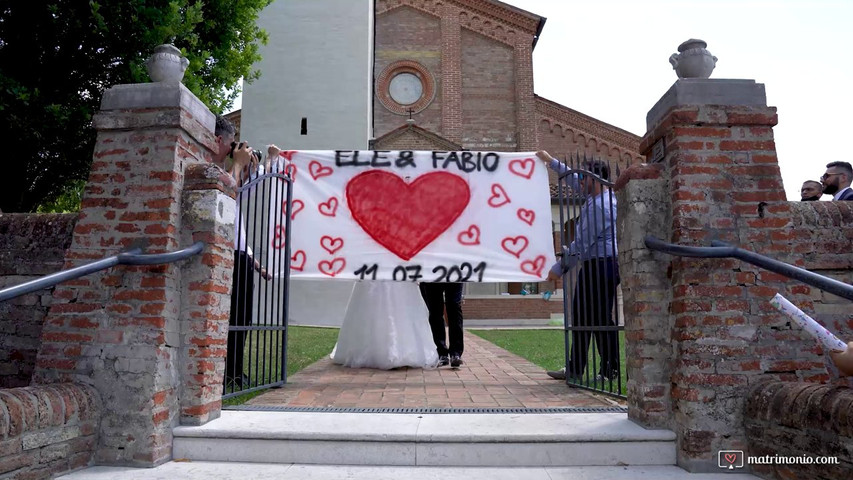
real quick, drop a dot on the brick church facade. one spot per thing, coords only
(458, 74)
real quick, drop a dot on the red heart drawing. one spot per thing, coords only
(515, 245)
(290, 170)
(288, 155)
(297, 207)
(470, 236)
(526, 216)
(318, 170)
(297, 261)
(332, 268)
(330, 244)
(534, 267)
(523, 168)
(279, 239)
(329, 207)
(406, 217)
(499, 197)
(731, 457)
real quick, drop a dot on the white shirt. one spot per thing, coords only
(839, 193)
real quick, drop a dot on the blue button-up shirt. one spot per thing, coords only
(595, 230)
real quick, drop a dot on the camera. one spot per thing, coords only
(257, 154)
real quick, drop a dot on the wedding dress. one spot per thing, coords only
(386, 326)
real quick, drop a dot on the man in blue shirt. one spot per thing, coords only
(594, 249)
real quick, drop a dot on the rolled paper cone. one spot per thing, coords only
(830, 341)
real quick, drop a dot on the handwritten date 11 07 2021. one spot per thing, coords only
(412, 273)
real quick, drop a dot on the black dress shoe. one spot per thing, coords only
(455, 360)
(443, 360)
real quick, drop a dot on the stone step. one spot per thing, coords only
(265, 471)
(463, 440)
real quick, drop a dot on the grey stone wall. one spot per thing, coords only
(31, 245)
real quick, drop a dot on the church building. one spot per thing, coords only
(414, 75)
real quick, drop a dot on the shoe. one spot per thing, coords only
(455, 361)
(443, 360)
(558, 374)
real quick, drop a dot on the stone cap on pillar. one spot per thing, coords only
(704, 91)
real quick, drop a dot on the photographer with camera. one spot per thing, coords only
(240, 161)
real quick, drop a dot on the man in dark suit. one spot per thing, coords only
(836, 181)
(438, 297)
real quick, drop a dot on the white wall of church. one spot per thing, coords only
(317, 65)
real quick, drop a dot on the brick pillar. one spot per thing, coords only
(642, 195)
(209, 212)
(119, 329)
(720, 162)
(525, 103)
(451, 74)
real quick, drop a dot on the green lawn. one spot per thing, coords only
(305, 345)
(546, 348)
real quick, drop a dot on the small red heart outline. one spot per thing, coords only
(290, 170)
(499, 197)
(329, 207)
(288, 155)
(534, 267)
(279, 238)
(317, 170)
(526, 216)
(731, 458)
(328, 267)
(515, 245)
(470, 236)
(295, 258)
(330, 244)
(297, 207)
(526, 168)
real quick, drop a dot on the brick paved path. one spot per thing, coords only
(490, 377)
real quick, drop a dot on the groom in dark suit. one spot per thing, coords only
(438, 297)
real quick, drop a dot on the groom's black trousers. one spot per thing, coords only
(439, 296)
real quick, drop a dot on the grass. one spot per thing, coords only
(546, 348)
(305, 345)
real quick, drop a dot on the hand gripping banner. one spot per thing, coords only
(417, 216)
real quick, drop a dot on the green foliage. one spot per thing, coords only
(68, 201)
(58, 56)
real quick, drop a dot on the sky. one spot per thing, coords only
(609, 59)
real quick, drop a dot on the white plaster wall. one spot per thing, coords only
(318, 64)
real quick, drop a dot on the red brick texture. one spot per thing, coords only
(723, 183)
(47, 430)
(795, 419)
(120, 329)
(506, 306)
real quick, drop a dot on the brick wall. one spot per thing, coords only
(47, 430)
(506, 306)
(31, 245)
(720, 180)
(797, 419)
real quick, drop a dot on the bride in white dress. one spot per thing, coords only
(386, 326)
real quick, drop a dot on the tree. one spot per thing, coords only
(58, 56)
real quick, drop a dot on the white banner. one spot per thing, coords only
(417, 216)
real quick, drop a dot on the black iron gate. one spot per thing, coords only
(257, 336)
(591, 307)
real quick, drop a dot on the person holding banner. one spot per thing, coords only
(441, 297)
(594, 247)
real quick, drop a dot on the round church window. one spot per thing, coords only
(406, 88)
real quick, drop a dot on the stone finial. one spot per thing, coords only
(166, 64)
(693, 60)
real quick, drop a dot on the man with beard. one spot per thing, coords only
(811, 191)
(836, 181)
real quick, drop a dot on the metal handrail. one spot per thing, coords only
(724, 250)
(131, 257)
